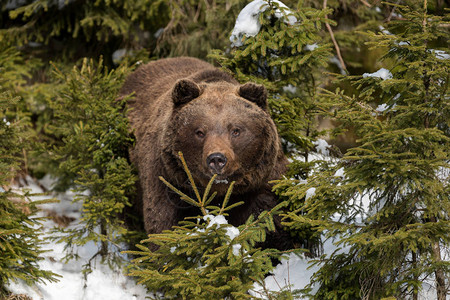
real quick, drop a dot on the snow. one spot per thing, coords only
(396, 15)
(247, 23)
(311, 47)
(118, 55)
(321, 146)
(335, 60)
(381, 73)
(290, 89)
(219, 220)
(158, 33)
(295, 271)
(236, 249)
(440, 54)
(292, 270)
(232, 232)
(340, 172)
(382, 107)
(102, 283)
(310, 193)
(384, 30)
(221, 181)
(215, 220)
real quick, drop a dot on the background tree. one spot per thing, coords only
(196, 28)
(20, 240)
(72, 29)
(93, 156)
(388, 198)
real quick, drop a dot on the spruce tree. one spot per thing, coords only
(386, 202)
(20, 232)
(93, 155)
(69, 30)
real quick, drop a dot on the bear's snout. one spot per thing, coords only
(216, 162)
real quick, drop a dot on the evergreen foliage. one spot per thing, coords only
(205, 257)
(197, 27)
(67, 29)
(387, 200)
(93, 155)
(20, 241)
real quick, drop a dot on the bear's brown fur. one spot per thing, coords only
(185, 104)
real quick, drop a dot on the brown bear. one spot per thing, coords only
(221, 127)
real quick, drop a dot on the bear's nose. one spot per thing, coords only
(216, 162)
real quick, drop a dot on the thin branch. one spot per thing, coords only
(424, 23)
(391, 14)
(336, 46)
(366, 3)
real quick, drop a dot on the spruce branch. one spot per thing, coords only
(202, 201)
(191, 179)
(227, 197)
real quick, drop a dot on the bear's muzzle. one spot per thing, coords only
(216, 162)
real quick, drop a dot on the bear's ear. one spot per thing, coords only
(255, 93)
(184, 91)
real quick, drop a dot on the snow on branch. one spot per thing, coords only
(247, 23)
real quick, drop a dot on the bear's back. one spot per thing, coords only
(157, 77)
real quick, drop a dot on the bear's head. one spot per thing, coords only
(221, 128)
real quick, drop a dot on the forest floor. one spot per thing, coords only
(106, 283)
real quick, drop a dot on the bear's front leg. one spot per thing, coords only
(159, 211)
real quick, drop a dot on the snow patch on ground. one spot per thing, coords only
(311, 47)
(294, 272)
(102, 283)
(382, 107)
(340, 172)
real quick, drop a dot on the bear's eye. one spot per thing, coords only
(199, 133)
(235, 132)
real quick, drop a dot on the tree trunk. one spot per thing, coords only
(439, 273)
(104, 244)
(415, 291)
